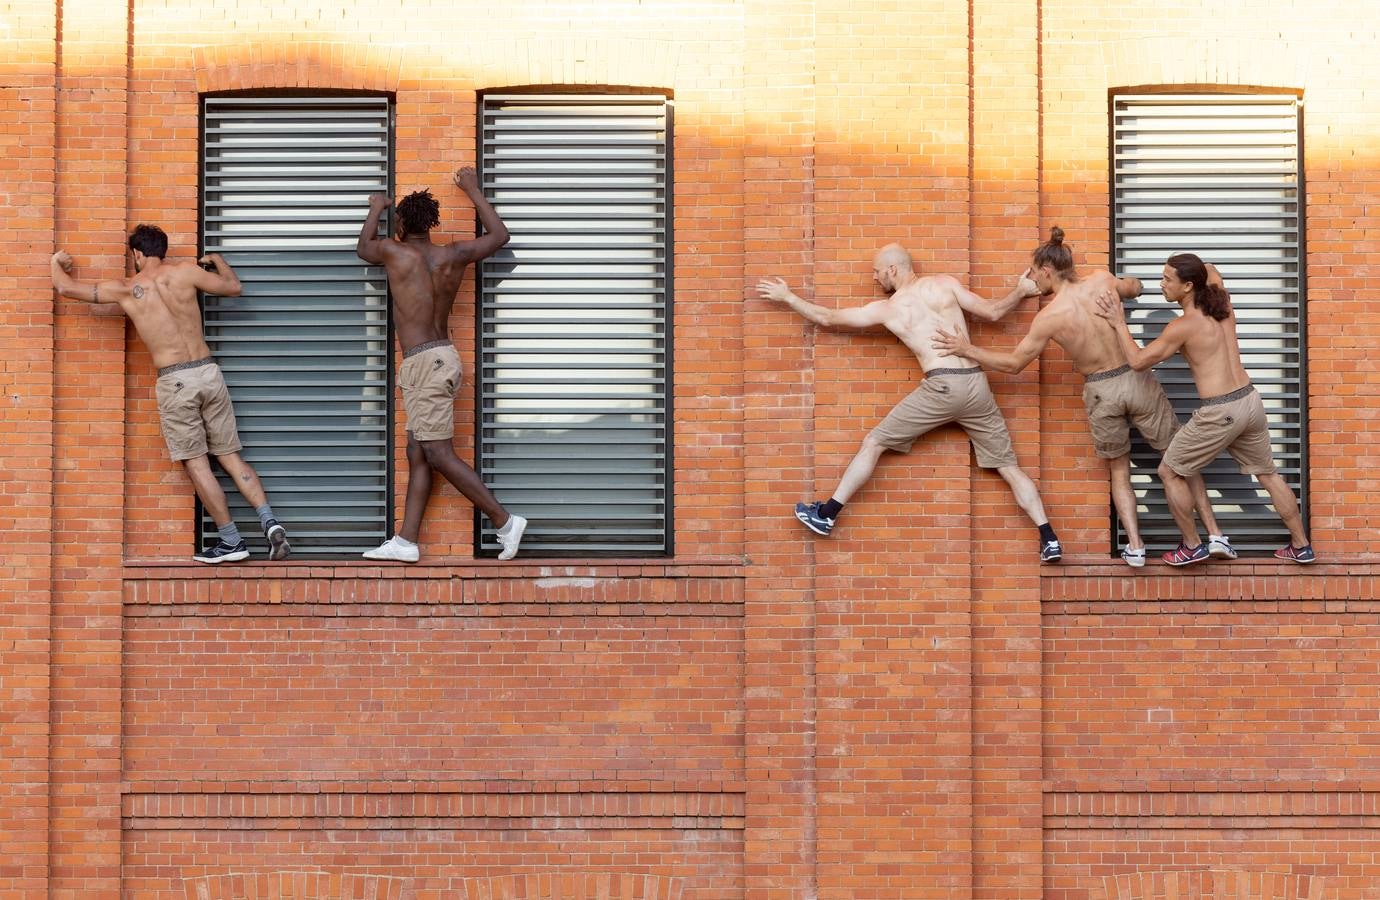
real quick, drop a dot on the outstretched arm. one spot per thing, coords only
(958, 344)
(1128, 287)
(495, 232)
(1141, 358)
(69, 287)
(369, 247)
(858, 317)
(993, 310)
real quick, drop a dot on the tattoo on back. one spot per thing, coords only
(138, 292)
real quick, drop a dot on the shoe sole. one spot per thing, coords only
(1050, 560)
(521, 529)
(1187, 562)
(1135, 562)
(380, 558)
(1222, 554)
(810, 525)
(279, 548)
(1298, 562)
(229, 557)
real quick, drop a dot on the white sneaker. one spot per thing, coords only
(1219, 547)
(1134, 558)
(393, 551)
(513, 536)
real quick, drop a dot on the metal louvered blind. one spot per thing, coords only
(574, 343)
(305, 347)
(1218, 175)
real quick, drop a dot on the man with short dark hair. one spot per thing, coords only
(1232, 415)
(193, 404)
(423, 278)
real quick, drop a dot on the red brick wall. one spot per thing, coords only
(909, 709)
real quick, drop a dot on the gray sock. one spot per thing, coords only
(265, 513)
(230, 534)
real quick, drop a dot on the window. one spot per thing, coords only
(305, 348)
(574, 343)
(1218, 175)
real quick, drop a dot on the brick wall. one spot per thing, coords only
(910, 709)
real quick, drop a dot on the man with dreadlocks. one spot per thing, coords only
(424, 278)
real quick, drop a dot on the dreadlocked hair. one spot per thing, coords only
(419, 212)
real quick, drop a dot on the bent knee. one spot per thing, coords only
(437, 451)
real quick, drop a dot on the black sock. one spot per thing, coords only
(830, 509)
(1047, 534)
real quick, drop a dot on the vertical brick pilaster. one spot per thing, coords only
(92, 112)
(778, 235)
(26, 443)
(1007, 825)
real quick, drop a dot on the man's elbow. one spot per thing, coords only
(233, 290)
(1141, 363)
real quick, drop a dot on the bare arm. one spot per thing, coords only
(994, 310)
(858, 317)
(369, 247)
(495, 232)
(223, 282)
(69, 287)
(1128, 287)
(1141, 358)
(1031, 346)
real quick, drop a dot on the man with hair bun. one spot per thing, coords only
(423, 278)
(1231, 417)
(1114, 395)
(917, 307)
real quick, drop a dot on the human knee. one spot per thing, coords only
(1167, 474)
(436, 452)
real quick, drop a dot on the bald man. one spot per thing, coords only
(954, 391)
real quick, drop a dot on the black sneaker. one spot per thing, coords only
(1051, 552)
(223, 552)
(808, 514)
(278, 546)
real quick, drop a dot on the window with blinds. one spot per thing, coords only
(574, 343)
(1218, 175)
(305, 348)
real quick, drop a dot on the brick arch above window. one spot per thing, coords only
(575, 60)
(298, 886)
(1214, 884)
(334, 65)
(1178, 60)
(569, 886)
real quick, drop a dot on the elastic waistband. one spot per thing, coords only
(422, 348)
(1110, 373)
(973, 370)
(193, 364)
(1227, 398)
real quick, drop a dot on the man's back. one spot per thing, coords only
(1072, 322)
(922, 308)
(424, 278)
(163, 307)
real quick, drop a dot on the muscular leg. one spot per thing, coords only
(1180, 496)
(1124, 499)
(418, 490)
(441, 456)
(1027, 495)
(245, 478)
(208, 489)
(1202, 504)
(859, 470)
(1287, 505)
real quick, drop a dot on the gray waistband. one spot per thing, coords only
(193, 364)
(974, 370)
(422, 348)
(1227, 398)
(1110, 373)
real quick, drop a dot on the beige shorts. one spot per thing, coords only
(429, 378)
(944, 398)
(1238, 426)
(194, 411)
(1131, 397)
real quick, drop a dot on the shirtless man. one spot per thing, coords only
(1231, 417)
(423, 278)
(1114, 395)
(193, 404)
(916, 308)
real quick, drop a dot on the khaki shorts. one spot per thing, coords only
(195, 413)
(429, 380)
(1237, 426)
(941, 399)
(1115, 403)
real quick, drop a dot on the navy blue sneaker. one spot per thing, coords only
(278, 546)
(1051, 552)
(223, 552)
(808, 514)
(1301, 555)
(1184, 555)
